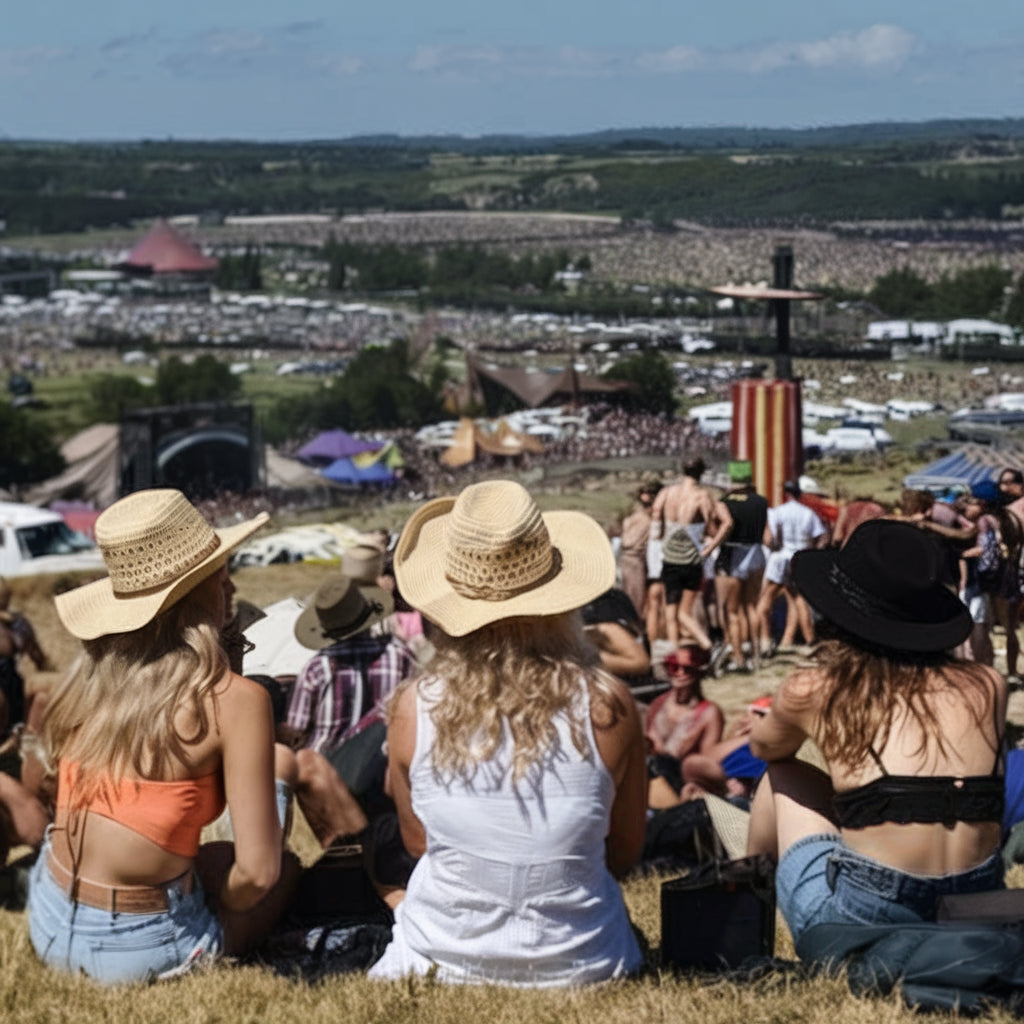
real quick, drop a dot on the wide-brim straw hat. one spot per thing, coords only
(889, 584)
(490, 554)
(340, 608)
(157, 547)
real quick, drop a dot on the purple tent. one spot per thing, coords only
(325, 448)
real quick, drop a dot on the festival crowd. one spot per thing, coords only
(487, 721)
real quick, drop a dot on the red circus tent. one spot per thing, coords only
(163, 250)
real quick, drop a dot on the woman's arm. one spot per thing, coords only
(247, 744)
(401, 747)
(620, 743)
(781, 733)
(621, 653)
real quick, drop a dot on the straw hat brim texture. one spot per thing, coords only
(731, 824)
(94, 610)
(309, 631)
(586, 570)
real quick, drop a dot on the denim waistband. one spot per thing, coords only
(908, 889)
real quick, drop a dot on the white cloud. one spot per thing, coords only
(672, 60)
(875, 47)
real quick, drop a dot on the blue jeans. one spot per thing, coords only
(116, 947)
(821, 881)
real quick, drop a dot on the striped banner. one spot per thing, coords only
(767, 430)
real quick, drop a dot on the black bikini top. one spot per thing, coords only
(928, 799)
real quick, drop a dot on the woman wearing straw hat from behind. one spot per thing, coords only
(911, 805)
(516, 762)
(151, 733)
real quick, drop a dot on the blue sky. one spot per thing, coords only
(125, 69)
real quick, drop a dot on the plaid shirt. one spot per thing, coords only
(341, 684)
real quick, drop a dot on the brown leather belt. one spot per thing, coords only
(117, 899)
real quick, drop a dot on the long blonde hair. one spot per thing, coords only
(523, 672)
(118, 711)
(864, 687)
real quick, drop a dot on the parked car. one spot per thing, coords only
(35, 540)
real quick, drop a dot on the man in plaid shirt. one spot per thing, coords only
(344, 682)
(355, 670)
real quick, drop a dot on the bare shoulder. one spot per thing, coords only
(612, 706)
(234, 694)
(801, 691)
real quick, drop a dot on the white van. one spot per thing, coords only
(35, 541)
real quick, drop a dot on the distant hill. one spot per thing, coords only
(712, 137)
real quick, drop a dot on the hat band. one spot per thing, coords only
(490, 592)
(342, 631)
(861, 600)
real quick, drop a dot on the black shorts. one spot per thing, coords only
(678, 578)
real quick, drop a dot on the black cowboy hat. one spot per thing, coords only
(888, 585)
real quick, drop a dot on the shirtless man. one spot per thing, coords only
(688, 507)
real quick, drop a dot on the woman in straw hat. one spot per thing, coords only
(150, 733)
(910, 807)
(516, 762)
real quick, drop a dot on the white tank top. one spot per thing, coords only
(513, 887)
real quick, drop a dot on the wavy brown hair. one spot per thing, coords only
(117, 712)
(523, 671)
(865, 685)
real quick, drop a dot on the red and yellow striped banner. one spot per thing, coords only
(767, 430)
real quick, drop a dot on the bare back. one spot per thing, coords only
(103, 850)
(971, 724)
(683, 503)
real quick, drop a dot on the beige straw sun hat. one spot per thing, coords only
(490, 554)
(156, 546)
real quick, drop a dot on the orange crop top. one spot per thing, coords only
(170, 814)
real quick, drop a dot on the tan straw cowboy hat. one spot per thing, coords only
(339, 608)
(490, 554)
(157, 547)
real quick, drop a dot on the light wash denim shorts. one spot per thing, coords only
(820, 880)
(117, 947)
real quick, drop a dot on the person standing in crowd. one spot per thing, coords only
(636, 532)
(516, 761)
(688, 525)
(150, 732)
(910, 806)
(740, 567)
(791, 527)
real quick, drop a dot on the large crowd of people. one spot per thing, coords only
(495, 713)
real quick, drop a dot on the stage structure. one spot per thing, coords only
(202, 449)
(767, 416)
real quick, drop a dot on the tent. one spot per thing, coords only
(334, 444)
(345, 471)
(90, 474)
(968, 465)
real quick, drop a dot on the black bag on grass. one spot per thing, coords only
(719, 915)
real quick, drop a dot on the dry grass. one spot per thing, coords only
(31, 993)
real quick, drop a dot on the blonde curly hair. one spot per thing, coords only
(523, 672)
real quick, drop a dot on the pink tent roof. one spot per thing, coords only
(163, 250)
